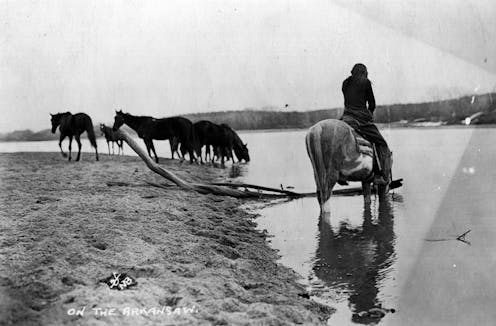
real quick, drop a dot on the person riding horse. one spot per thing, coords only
(357, 91)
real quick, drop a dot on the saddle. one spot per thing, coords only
(367, 148)
(364, 147)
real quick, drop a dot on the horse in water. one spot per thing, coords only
(73, 126)
(149, 128)
(338, 153)
(110, 137)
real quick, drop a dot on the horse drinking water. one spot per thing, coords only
(73, 126)
(338, 153)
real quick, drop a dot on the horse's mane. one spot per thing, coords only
(136, 116)
(61, 114)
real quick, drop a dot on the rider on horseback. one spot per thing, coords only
(357, 91)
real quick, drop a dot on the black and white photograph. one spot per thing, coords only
(261, 162)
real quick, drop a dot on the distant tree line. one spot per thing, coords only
(450, 111)
(256, 120)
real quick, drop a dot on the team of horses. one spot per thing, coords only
(185, 137)
(337, 152)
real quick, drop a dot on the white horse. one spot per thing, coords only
(338, 153)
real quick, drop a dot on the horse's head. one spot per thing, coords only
(55, 119)
(118, 120)
(102, 128)
(242, 152)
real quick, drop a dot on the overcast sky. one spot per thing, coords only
(165, 58)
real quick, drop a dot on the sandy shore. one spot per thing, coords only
(197, 259)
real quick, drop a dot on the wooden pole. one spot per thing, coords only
(201, 188)
(227, 189)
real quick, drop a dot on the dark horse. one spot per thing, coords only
(235, 143)
(110, 137)
(222, 138)
(73, 126)
(210, 134)
(149, 128)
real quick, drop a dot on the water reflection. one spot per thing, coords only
(355, 259)
(237, 170)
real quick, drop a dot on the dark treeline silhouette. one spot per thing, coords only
(256, 120)
(451, 111)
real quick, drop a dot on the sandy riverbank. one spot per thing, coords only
(63, 228)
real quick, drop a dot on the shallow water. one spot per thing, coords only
(379, 256)
(382, 255)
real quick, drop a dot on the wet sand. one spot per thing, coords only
(198, 259)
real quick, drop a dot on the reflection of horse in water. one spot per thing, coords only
(339, 154)
(356, 259)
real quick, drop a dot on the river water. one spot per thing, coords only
(387, 254)
(401, 254)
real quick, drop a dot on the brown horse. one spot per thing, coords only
(110, 137)
(73, 126)
(339, 154)
(149, 128)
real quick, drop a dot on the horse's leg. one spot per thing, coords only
(78, 140)
(153, 149)
(108, 145)
(201, 157)
(70, 147)
(172, 146)
(209, 151)
(382, 191)
(192, 157)
(147, 144)
(96, 151)
(62, 137)
(366, 189)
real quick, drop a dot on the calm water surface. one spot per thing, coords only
(383, 255)
(379, 256)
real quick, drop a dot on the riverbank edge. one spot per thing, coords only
(212, 258)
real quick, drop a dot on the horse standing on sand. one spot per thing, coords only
(110, 137)
(236, 144)
(223, 139)
(338, 154)
(73, 126)
(210, 134)
(149, 128)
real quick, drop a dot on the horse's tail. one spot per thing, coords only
(314, 150)
(91, 133)
(328, 144)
